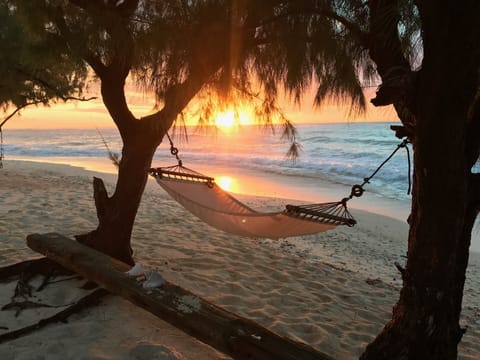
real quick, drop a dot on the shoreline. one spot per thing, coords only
(250, 182)
(334, 290)
(253, 183)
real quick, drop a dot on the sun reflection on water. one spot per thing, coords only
(226, 183)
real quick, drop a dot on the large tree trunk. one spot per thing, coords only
(425, 321)
(141, 137)
(116, 214)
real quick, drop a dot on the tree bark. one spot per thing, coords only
(116, 214)
(425, 321)
(141, 137)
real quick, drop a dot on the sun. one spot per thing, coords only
(225, 119)
(229, 119)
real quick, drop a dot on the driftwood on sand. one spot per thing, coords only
(231, 334)
(23, 272)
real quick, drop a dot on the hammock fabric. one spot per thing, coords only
(202, 197)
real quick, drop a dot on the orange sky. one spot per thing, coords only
(93, 114)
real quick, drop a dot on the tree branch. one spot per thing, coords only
(386, 51)
(48, 86)
(114, 19)
(12, 114)
(177, 98)
(350, 26)
(76, 46)
(328, 13)
(207, 59)
(42, 101)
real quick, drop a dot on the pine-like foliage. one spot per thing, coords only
(262, 49)
(36, 67)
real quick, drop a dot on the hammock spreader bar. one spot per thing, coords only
(335, 213)
(179, 172)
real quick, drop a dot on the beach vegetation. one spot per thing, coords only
(36, 67)
(424, 55)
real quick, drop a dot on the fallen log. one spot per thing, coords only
(227, 332)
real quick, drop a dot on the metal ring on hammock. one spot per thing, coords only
(357, 190)
(174, 150)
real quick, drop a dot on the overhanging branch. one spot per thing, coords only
(12, 114)
(41, 101)
(176, 98)
(385, 50)
(79, 48)
(328, 13)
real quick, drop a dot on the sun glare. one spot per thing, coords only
(227, 120)
(225, 182)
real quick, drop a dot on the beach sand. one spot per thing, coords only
(334, 290)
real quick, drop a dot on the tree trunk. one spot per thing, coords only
(425, 321)
(116, 214)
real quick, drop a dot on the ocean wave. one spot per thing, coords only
(337, 153)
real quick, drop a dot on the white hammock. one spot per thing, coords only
(206, 200)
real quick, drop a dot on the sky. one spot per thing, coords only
(93, 114)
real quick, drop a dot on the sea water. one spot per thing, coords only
(332, 158)
(334, 153)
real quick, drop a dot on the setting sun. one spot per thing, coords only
(225, 120)
(229, 119)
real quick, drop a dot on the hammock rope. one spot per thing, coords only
(338, 210)
(358, 190)
(329, 214)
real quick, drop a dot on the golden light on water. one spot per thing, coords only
(226, 183)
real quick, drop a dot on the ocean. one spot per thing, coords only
(334, 153)
(253, 160)
(333, 157)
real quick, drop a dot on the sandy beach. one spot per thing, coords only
(334, 290)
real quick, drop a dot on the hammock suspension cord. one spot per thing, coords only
(358, 190)
(332, 213)
(174, 150)
(180, 172)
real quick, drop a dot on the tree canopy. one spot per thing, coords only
(261, 49)
(35, 65)
(425, 54)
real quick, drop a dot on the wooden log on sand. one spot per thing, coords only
(231, 334)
